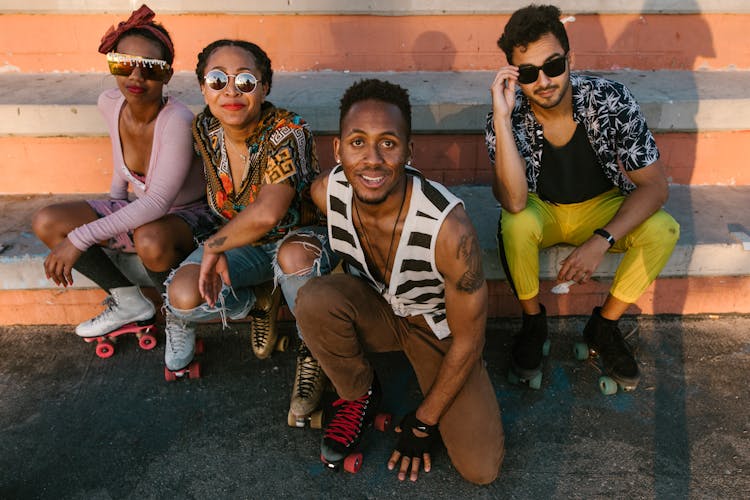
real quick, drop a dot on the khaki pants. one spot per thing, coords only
(341, 317)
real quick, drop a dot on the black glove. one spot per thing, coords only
(411, 445)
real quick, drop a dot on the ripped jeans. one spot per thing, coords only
(250, 266)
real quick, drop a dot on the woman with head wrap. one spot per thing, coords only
(152, 152)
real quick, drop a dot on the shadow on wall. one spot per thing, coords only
(652, 41)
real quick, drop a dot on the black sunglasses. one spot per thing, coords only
(528, 73)
(244, 82)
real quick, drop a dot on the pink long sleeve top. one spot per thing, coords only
(174, 177)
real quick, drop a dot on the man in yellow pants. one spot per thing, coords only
(574, 162)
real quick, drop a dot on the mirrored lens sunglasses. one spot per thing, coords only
(244, 82)
(528, 73)
(151, 69)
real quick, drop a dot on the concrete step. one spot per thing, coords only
(402, 36)
(710, 261)
(47, 121)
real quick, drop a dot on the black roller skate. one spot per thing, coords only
(530, 346)
(348, 423)
(610, 354)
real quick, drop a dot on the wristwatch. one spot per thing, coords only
(605, 234)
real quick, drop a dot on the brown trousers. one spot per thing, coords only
(341, 317)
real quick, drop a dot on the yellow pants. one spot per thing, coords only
(540, 225)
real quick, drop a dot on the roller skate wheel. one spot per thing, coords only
(169, 375)
(293, 421)
(512, 377)
(147, 341)
(194, 370)
(105, 350)
(199, 347)
(283, 344)
(383, 422)
(546, 348)
(581, 351)
(353, 463)
(607, 385)
(316, 419)
(535, 382)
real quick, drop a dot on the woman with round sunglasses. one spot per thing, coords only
(152, 154)
(259, 162)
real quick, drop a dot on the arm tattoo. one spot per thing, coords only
(468, 251)
(216, 242)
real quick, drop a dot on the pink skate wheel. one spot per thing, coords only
(105, 350)
(168, 375)
(199, 347)
(147, 341)
(383, 422)
(353, 463)
(194, 370)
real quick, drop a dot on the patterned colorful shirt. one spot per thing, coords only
(614, 125)
(281, 150)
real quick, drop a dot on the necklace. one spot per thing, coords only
(234, 148)
(393, 235)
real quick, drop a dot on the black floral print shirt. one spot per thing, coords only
(614, 124)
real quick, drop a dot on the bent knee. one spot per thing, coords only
(319, 294)
(45, 222)
(484, 472)
(182, 291)
(660, 227)
(298, 254)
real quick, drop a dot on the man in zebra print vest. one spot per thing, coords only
(413, 281)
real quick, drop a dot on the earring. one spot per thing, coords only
(408, 163)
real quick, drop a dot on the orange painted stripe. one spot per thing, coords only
(692, 295)
(392, 43)
(717, 295)
(83, 165)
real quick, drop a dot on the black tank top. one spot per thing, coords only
(571, 173)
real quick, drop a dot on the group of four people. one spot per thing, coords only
(573, 162)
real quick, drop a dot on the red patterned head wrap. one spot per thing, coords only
(140, 19)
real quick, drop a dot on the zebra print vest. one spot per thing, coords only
(416, 285)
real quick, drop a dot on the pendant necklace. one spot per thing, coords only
(393, 235)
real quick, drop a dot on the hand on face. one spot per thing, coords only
(503, 91)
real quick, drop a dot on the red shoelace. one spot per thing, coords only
(347, 424)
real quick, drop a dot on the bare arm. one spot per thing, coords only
(250, 225)
(459, 260)
(509, 180)
(254, 221)
(319, 190)
(649, 196)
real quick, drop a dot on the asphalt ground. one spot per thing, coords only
(73, 425)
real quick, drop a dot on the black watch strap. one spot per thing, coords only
(605, 234)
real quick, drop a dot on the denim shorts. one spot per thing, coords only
(250, 266)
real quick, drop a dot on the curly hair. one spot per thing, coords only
(262, 60)
(167, 54)
(529, 24)
(380, 90)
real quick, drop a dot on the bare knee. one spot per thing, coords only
(46, 225)
(183, 291)
(298, 254)
(154, 248)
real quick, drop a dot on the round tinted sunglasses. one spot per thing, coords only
(528, 73)
(151, 69)
(244, 82)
